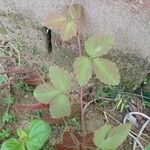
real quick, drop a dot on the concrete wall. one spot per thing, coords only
(127, 20)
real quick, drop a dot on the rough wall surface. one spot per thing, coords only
(127, 20)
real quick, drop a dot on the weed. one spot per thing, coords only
(6, 117)
(108, 91)
(2, 79)
(104, 104)
(9, 100)
(146, 80)
(4, 134)
(34, 50)
(24, 86)
(74, 123)
(122, 103)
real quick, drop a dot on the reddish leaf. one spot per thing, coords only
(69, 144)
(30, 106)
(47, 118)
(33, 79)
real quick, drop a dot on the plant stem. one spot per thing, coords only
(79, 43)
(81, 89)
(81, 107)
(81, 95)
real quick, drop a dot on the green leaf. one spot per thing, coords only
(147, 147)
(98, 46)
(101, 134)
(60, 79)
(106, 138)
(22, 135)
(117, 136)
(74, 12)
(60, 107)
(83, 70)
(2, 79)
(106, 71)
(69, 31)
(38, 133)
(45, 93)
(55, 21)
(12, 144)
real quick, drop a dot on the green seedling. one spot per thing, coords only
(2, 79)
(122, 103)
(108, 91)
(6, 117)
(33, 138)
(4, 134)
(23, 86)
(9, 100)
(74, 123)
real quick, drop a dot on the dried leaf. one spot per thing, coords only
(55, 21)
(74, 12)
(69, 144)
(69, 31)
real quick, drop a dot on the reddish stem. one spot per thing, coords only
(31, 106)
(79, 43)
(81, 95)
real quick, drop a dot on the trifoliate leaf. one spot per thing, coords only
(38, 133)
(45, 93)
(60, 78)
(106, 138)
(60, 107)
(106, 71)
(74, 12)
(69, 31)
(98, 46)
(55, 21)
(83, 69)
(12, 144)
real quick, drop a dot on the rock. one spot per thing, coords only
(127, 20)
